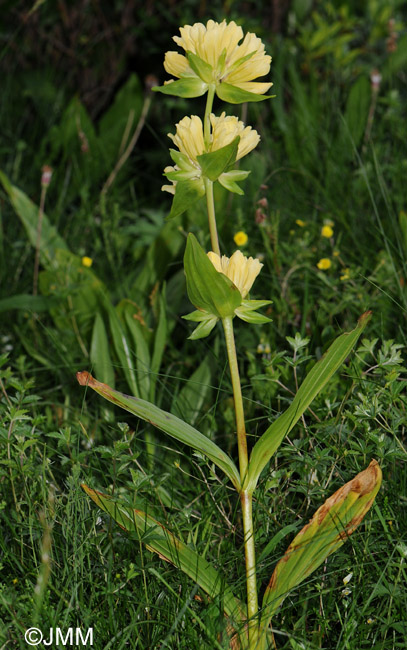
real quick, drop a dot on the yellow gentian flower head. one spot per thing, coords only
(189, 138)
(215, 58)
(240, 269)
(226, 128)
(217, 286)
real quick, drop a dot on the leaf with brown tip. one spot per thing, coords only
(170, 424)
(328, 529)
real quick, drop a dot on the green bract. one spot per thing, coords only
(208, 290)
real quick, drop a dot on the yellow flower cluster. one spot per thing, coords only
(217, 45)
(189, 138)
(241, 270)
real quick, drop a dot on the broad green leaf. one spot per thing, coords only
(316, 379)
(28, 213)
(328, 529)
(100, 353)
(188, 403)
(186, 194)
(167, 422)
(213, 164)
(185, 87)
(235, 95)
(160, 540)
(201, 68)
(207, 288)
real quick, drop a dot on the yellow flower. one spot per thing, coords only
(240, 238)
(217, 45)
(241, 270)
(226, 128)
(324, 264)
(87, 261)
(300, 223)
(189, 138)
(327, 231)
(345, 275)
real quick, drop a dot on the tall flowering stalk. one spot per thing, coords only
(216, 61)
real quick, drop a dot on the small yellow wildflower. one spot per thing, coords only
(345, 275)
(15, 580)
(217, 45)
(336, 253)
(241, 270)
(87, 261)
(370, 621)
(300, 223)
(324, 264)
(327, 231)
(240, 238)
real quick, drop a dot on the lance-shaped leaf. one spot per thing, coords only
(167, 422)
(214, 163)
(185, 87)
(28, 213)
(328, 529)
(201, 68)
(235, 95)
(316, 379)
(230, 179)
(160, 540)
(186, 194)
(208, 289)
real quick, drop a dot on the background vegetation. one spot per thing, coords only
(75, 85)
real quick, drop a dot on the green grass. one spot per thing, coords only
(320, 158)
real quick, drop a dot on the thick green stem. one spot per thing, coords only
(211, 216)
(246, 499)
(237, 395)
(245, 496)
